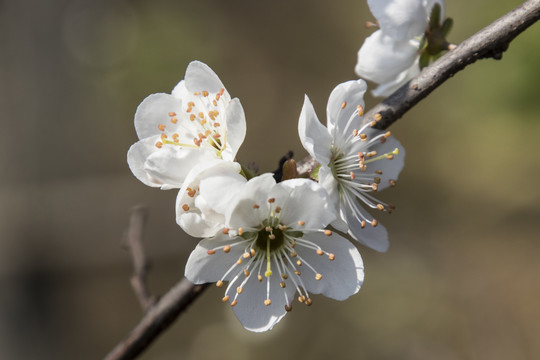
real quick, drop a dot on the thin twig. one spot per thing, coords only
(491, 41)
(134, 236)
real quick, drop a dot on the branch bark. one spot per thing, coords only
(489, 42)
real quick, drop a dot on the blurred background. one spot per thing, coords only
(460, 280)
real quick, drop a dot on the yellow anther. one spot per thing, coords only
(380, 207)
(284, 276)
(159, 144)
(246, 255)
(252, 252)
(327, 232)
(234, 302)
(363, 224)
(192, 117)
(267, 302)
(271, 236)
(240, 231)
(246, 272)
(278, 209)
(172, 113)
(174, 120)
(360, 109)
(268, 229)
(320, 252)
(225, 298)
(343, 105)
(331, 257)
(352, 175)
(297, 272)
(239, 261)
(301, 299)
(227, 248)
(205, 93)
(301, 223)
(377, 180)
(214, 102)
(299, 262)
(197, 93)
(271, 200)
(239, 289)
(185, 207)
(211, 252)
(225, 231)
(308, 302)
(392, 182)
(219, 283)
(255, 206)
(374, 223)
(377, 117)
(282, 284)
(318, 277)
(201, 115)
(294, 254)
(161, 127)
(363, 137)
(260, 278)
(217, 124)
(355, 132)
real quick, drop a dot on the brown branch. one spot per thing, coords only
(134, 235)
(491, 41)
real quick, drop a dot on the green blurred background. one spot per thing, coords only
(460, 280)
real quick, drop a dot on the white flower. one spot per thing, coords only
(390, 56)
(273, 246)
(356, 160)
(198, 122)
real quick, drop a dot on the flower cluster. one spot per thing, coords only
(271, 243)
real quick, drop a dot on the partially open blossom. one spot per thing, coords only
(198, 122)
(390, 56)
(274, 249)
(356, 161)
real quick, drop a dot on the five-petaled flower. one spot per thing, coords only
(390, 56)
(272, 248)
(197, 123)
(356, 160)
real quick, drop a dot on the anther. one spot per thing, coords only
(217, 124)
(355, 132)
(196, 93)
(252, 252)
(174, 120)
(214, 102)
(288, 308)
(378, 172)
(205, 93)
(301, 299)
(201, 115)
(301, 223)
(320, 252)
(278, 209)
(299, 262)
(308, 302)
(377, 117)
(192, 117)
(219, 283)
(363, 137)
(159, 144)
(327, 232)
(161, 127)
(239, 261)
(185, 207)
(343, 105)
(240, 231)
(284, 276)
(268, 229)
(260, 278)
(318, 277)
(239, 289)
(297, 272)
(352, 175)
(271, 236)
(211, 252)
(225, 231)
(374, 187)
(172, 113)
(377, 180)
(271, 200)
(246, 272)
(374, 223)
(246, 255)
(294, 254)
(282, 284)
(225, 298)
(392, 182)
(255, 206)
(227, 248)
(331, 257)
(380, 207)
(360, 109)
(267, 302)
(234, 302)
(363, 224)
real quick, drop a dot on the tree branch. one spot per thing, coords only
(489, 42)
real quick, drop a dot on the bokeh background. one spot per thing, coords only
(461, 278)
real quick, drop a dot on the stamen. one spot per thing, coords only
(219, 283)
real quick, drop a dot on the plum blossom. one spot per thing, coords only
(196, 123)
(356, 161)
(271, 250)
(391, 55)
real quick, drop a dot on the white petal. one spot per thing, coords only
(313, 135)
(154, 111)
(400, 19)
(201, 219)
(341, 277)
(375, 238)
(388, 88)
(171, 164)
(254, 192)
(381, 59)
(180, 91)
(342, 103)
(295, 196)
(200, 77)
(251, 310)
(236, 128)
(136, 157)
(204, 268)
